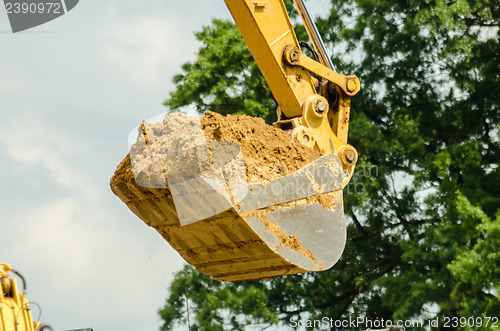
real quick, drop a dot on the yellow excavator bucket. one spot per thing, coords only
(237, 198)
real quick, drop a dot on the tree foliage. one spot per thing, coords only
(423, 207)
(224, 78)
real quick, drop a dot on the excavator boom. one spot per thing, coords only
(15, 312)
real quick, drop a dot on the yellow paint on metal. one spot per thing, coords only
(352, 86)
(227, 246)
(267, 30)
(269, 34)
(15, 313)
(233, 246)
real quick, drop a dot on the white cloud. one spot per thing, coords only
(10, 84)
(82, 252)
(88, 260)
(30, 141)
(148, 51)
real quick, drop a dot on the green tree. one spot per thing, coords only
(424, 205)
(224, 78)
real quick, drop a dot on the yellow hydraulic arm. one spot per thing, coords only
(317, 113)
(15, 313)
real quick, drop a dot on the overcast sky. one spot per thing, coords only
(71, 91)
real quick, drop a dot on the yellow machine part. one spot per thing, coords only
(223, 227)
(15, 313)
(200, 195)
(287, 237)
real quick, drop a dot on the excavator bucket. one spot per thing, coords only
(238, 199)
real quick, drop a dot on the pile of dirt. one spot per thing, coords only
(268, 152)
(173, 146)
(178, 143)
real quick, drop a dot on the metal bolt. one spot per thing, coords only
(351, 85)
(294, 55)
(349, 155)
(320, 106)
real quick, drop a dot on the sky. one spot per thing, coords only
(71, 91)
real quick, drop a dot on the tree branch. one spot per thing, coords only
(358, 224)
